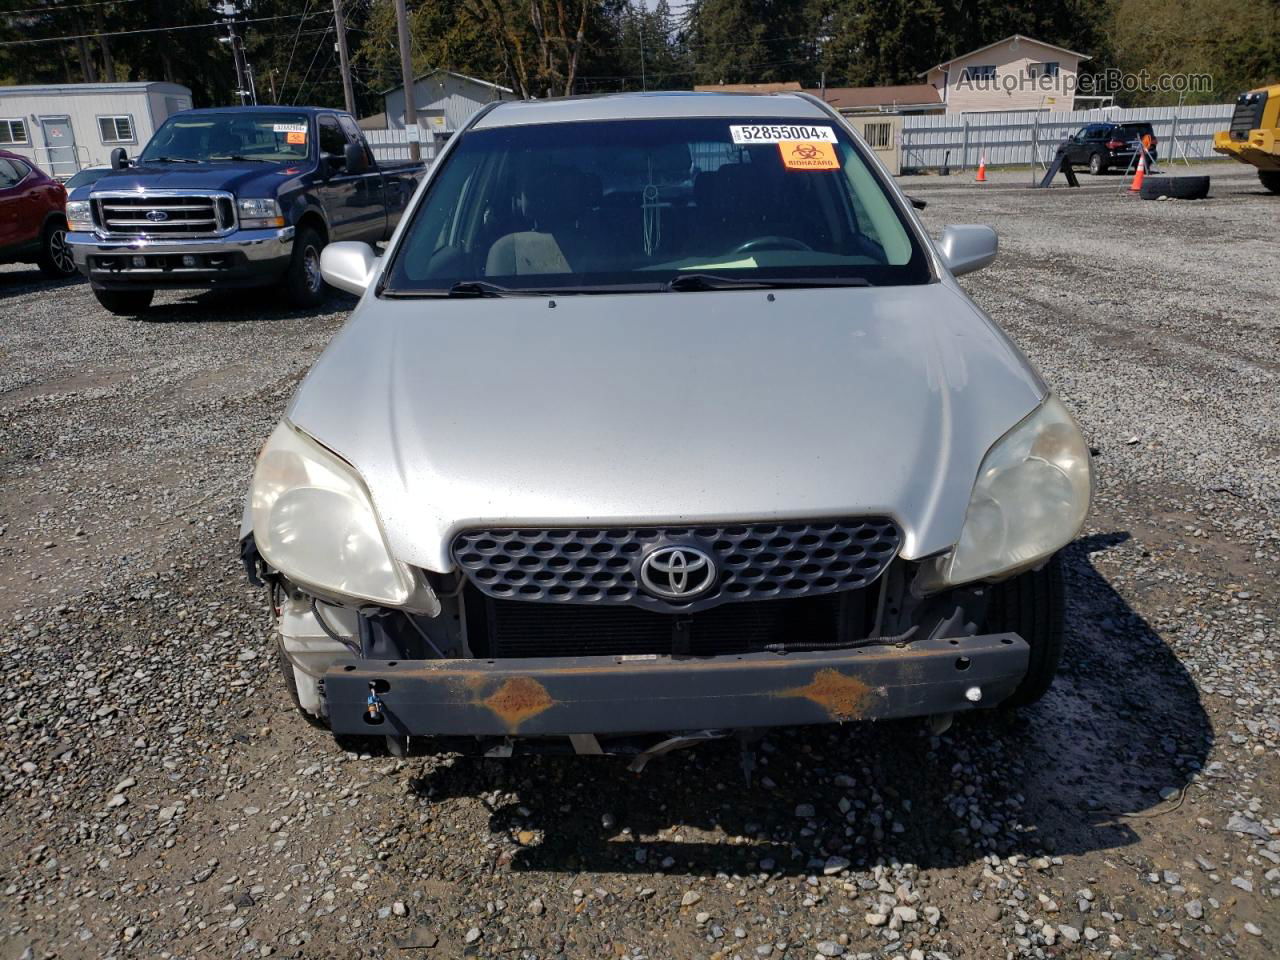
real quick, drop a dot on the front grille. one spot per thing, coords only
(138, 215)
(755, 561)
(1247, 115)
(509, 628)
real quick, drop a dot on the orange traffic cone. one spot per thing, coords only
(1140, 174)
(982, 170)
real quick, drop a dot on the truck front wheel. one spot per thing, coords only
(1270, 179)
(1031, 606)
(124, 303)
(303, 284)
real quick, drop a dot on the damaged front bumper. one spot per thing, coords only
(630, 695)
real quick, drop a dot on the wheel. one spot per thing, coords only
(124, 303)
(55, 254)
(304, 287)
(1030, 605)
(1097, 166)
(1270, 179)
(1177, 188)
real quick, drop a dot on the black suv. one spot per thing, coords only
(1102, 145)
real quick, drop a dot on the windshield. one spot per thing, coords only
(640, 203)
(209, 137)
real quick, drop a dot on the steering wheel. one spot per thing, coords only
(771, 243)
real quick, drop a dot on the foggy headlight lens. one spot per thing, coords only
(260, 213)
(79, 217)
(1029, 501)
(313, 520)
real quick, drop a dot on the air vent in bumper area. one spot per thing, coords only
(158, 216)
(754, 561)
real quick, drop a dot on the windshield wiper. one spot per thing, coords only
(248, 159)
(463, 288)
(709, 281)
(169, 160)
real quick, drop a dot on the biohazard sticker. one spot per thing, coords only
(296, 136)
(778, 132)
(808, 155)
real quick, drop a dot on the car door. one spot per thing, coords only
(18, 225)
(1076, 150)
(370, 198)
(355, 211)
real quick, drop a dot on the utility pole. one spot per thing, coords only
(406, 77)
(237, 55)
(341, 26)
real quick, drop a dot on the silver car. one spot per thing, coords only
(662, 418)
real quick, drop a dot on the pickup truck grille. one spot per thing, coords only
(158, 215)
(753, 561)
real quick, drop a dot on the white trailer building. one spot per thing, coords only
(66, 127)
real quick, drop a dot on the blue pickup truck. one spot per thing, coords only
(234, 197)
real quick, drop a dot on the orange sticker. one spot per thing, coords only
(296, 136)
(808, 155)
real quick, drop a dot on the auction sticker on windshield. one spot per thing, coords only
(806, 155)
(779, 132)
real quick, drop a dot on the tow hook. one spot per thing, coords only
(373, 708)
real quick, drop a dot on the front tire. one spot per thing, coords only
(56, 260)
(1097, 166)
(1270, 179)
(125, 303)
(304, 286)
(1031, 605)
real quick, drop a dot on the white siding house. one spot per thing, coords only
(443, 100)
(65, 127)
(1016, 73)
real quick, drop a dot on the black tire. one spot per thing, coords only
(1270, 179)
(1097, 165)
(303, 285)
(55, 255)
(124, 303)
(1031, 605)
(1177, 188)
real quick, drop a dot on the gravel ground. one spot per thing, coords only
(160, 798)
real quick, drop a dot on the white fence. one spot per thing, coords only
(1013, 138)
(1016, 138)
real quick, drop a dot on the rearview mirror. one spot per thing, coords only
(967, 247)
(348, 266)
(119, 159)
(356, 161)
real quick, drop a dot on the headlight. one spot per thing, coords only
(313, 520)
(1030, 500)
(79, 216)
(260, 213)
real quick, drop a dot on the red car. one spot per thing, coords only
(33, 220)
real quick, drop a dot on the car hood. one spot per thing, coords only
(242, 179)
(675, 407)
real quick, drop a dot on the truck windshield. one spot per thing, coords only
(210, 137)
(684, 204)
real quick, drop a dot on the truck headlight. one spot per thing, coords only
(314, 521)
(1029, 501)
(79, 216)
(259, 213)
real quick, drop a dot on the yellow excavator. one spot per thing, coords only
(1254, 134)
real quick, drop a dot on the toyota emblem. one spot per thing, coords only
(157, 216)
(677, 573)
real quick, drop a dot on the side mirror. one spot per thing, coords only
(348, 266)
(119, 159)
(356, 161)
(968, 247)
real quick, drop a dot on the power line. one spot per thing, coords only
(53, 8)
(294, 48)
(319, 47)
(129, 33)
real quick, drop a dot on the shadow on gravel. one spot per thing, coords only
(29, 280)
(238, 306)
(1123, 721)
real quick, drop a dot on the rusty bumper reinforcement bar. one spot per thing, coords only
(615, 695)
